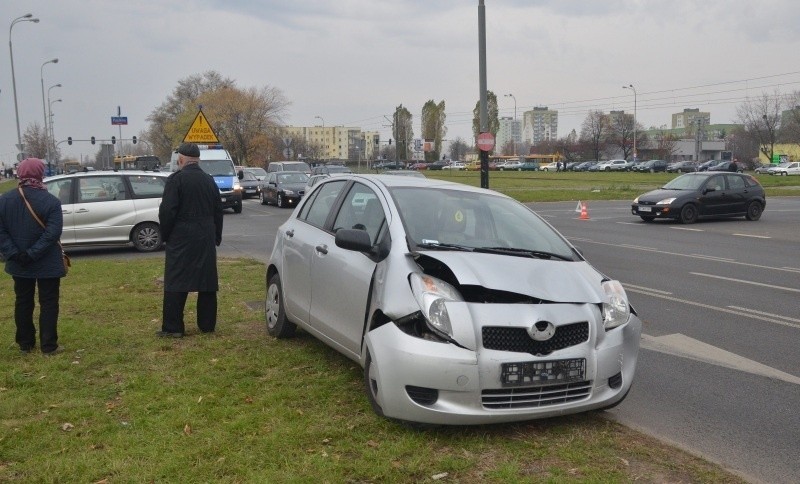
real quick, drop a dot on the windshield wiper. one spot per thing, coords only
(441, 246)
(540, 254)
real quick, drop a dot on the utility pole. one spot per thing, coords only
(484, 123)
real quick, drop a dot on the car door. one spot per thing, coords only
(301, 236)
(270, 188)
(103, 210)
(340, 287)
(712, 202)
(62, 189)
(736, 194)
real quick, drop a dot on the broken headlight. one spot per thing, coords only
(431, 295)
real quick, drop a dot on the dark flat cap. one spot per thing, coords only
(189, 149)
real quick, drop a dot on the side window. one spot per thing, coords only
(716, 182)
(316, 212)
(361, 210)
(147, 186)
(100, 189)
(735, 183)
(61, 189)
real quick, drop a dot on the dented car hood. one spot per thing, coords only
(550, 280)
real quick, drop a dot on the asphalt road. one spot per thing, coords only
(719, 369)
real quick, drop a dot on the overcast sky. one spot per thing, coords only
(351, 62)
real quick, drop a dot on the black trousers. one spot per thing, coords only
(174, 304)
(25, 290)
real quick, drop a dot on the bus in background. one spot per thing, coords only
(129, 162)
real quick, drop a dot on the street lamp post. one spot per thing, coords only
(24, 18)
(514, 126)
(52, 136)
(50, 140)
(630, 86)
(44, 107)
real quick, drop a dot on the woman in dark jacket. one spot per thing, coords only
(33, 256)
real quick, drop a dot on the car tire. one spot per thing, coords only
(262, 198)
(689, 214)
(647, 218)
(237, 207)
(279, 201)
(146, 237)
(274, 312)
(754, 211)
(371, 385)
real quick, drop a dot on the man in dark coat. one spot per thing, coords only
(191, 225)
(33, 256)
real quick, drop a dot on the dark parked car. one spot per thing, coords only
(438, 165)
(389, 165)
(682, 167)
(285, 188)
(703, 194)
(585, 165)
(652, 166)
(731, 166)
(704, 166)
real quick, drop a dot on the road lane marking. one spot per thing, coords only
(742, 281)
(688, 229)
(642, 288)
(754, 236)
(713, 257)
(714, 308)
(693, 256)
(685, 347)
(787, 318)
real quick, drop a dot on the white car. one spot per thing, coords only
(110, 208)
(786, 168)
(462, 305)
(455, 165)
(548, 167)
(612, 165)
(510, 165)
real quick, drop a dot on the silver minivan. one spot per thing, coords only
(110, 208)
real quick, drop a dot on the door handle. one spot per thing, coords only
(290, 233)
(322, 249)
(83, 210)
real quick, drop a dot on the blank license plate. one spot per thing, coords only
(537, 373)
(645, 209)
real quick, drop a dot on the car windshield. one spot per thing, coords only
(292, 178)
(258, 172)
(685, 182)
(217, 167)
(479, 222)
(296, 166)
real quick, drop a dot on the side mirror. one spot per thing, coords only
(353, 239)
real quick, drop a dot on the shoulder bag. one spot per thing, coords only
(64, 256)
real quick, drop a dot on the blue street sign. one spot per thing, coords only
(119, 120)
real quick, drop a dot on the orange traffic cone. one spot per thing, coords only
(584, 211)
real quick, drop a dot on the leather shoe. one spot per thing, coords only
(25, 349)
(58, 350)
(167, 334)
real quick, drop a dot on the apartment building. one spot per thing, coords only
(539, 124)
(338, 142)
(688, 118)
(510, 132)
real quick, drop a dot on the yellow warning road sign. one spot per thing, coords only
(200, 131)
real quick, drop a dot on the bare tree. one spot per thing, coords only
(620, 133)
(664, 144)
(594, 131)
(761, 118)
(433, 127)
(458, 149)
(403, 132)
(35, 140)
(790, 120)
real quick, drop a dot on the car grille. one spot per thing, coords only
(534, 397)
(506, 338)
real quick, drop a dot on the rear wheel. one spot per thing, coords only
(274, 313)
(147, 237)
(754, 210)
(689, 214)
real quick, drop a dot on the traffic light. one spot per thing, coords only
(92, 139)
(134, 140)
(69, 140)
(113, 140)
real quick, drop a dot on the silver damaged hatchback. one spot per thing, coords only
(462, 305)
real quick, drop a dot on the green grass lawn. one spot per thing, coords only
(120, 405)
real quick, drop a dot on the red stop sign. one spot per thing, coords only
(485, 141)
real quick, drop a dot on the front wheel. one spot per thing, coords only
(262, 198)
(754, 211)
(237, 207)
(274, 312)
(280, 201)
(371, 386)
(146, 237)
(689, 214)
